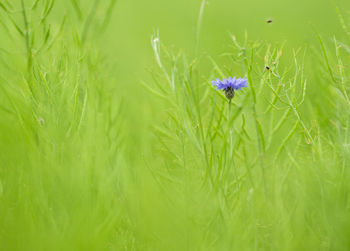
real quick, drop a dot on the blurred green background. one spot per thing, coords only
(134, 21)
(93, 160)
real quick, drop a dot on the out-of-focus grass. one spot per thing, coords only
(113, 140)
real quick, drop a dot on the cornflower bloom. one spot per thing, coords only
(230, 85)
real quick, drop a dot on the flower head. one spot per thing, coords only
(230, 85)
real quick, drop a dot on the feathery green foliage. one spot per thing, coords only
(97, 154)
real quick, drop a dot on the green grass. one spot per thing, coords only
(113, 138)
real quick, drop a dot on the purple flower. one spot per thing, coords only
(230, 85)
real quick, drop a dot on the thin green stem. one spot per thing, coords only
(89, 20)
(199, 24)
(27, 36)
(260, 143)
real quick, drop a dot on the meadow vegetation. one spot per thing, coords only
(106, 145)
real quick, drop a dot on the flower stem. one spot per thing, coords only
(229, 108)
(230, 129)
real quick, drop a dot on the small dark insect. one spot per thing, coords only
(269, 21)
(267, 68)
